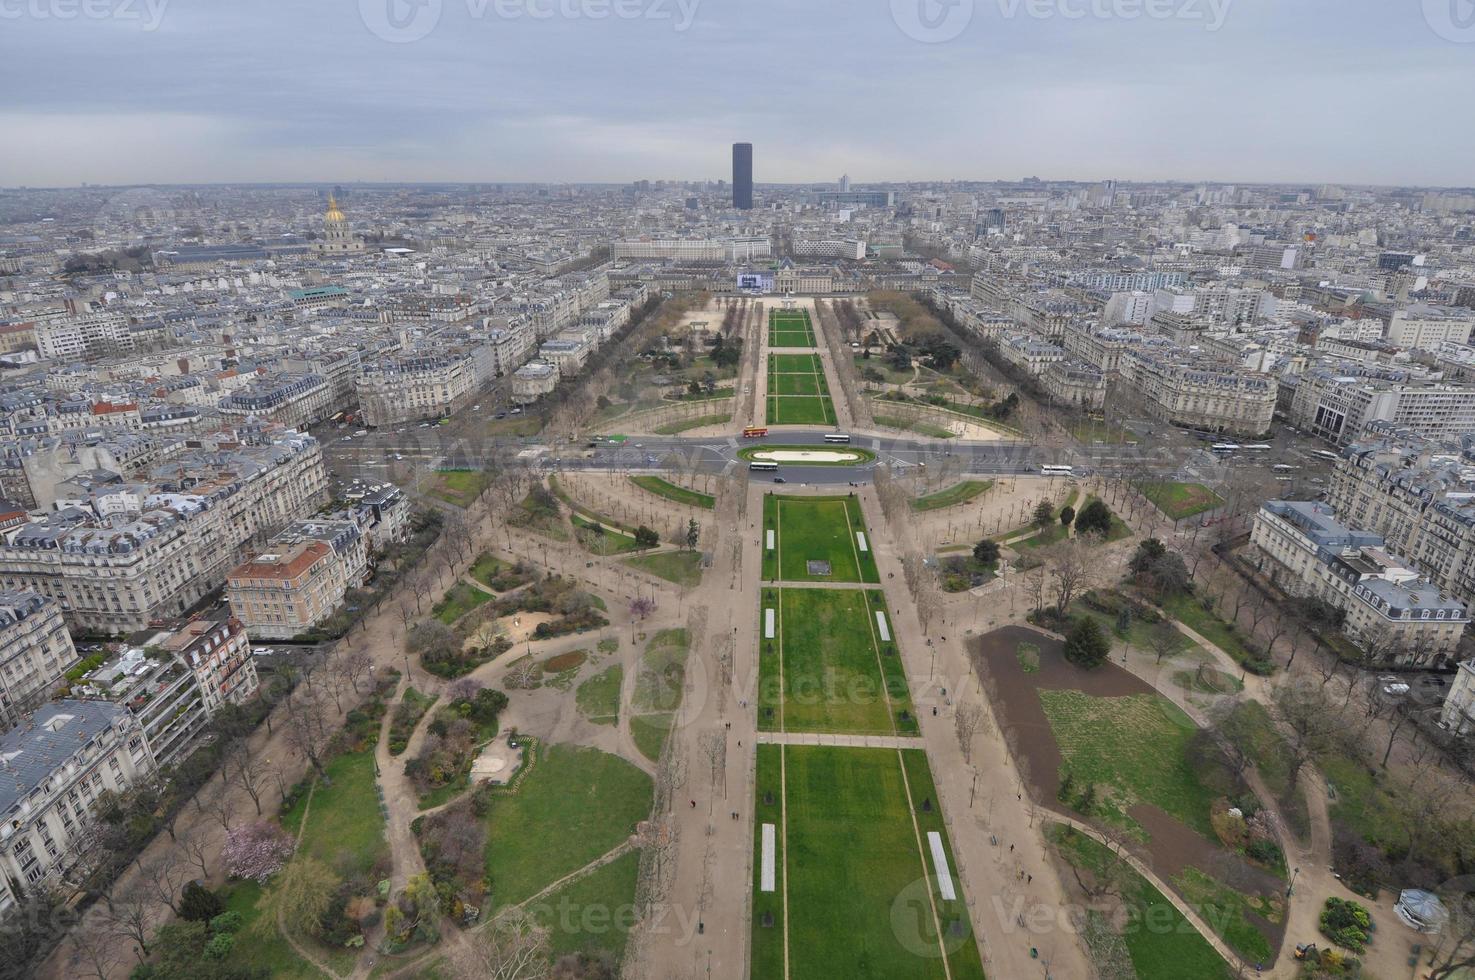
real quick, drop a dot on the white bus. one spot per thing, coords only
(1058, 470)
(837, 437)
(1258, 447)
(762, 467)
(1226, 447)
(1284, 467)
(1324, 454)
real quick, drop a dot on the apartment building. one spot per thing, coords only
(138, 553)
(1338, 404)
(1029, 354)
(283, 594)
(35, 652)
(1426, 327)
(425, 384)
(295, 400)
(1074, 382)
(1306, 550)
(1417, 493)
(1194, 393)
(532, 381)
(53, 768)
(829, 248)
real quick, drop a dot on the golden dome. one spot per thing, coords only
(333, 213)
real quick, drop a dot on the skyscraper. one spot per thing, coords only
(742, 176)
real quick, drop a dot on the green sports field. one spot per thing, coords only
(816, 529)
(790, 328)
(855, 890)
(797, 391)
(827, 668)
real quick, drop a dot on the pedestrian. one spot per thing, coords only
(1011, 848)
(1031, 880)
(693, 804)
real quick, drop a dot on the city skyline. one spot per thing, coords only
(206, 94)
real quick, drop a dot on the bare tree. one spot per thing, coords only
(1071, 567)
(1034, 588)
(308, 727)
(251, 772)
(92, 954)
(164, 877)
(967, 719)
(197, 848)
(1164, 640)
(128, 915)
(512, 947)
(356, 664)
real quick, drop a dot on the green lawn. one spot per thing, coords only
(816, 528)
(598, 697)
(1191, 613)
(676, 428)
(271, 953)
(767, 947)
(593, 914)
(681, 567)
(1161, 943)
(669, 490)
(405, 716)
(601, 539)
(853, 854)
(800, 410)
(574, 806)
(459, 600)
(650, 731)
(910, 425)
(797, 391)
(486, 568)
(660, 683)
(1133, 749)
(958, 493)
(459, 487)
(345, 828)
(790, 329)
(1090, 431)
(1224, 910)
(1180, 500)
(827, 669)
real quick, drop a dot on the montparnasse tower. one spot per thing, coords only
(337, 236)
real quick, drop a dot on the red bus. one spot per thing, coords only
(754, 432)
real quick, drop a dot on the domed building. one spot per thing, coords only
(337, 236)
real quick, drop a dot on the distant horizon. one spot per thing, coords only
(1355, 92)
(328, 183)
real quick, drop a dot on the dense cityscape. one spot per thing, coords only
(484, 494)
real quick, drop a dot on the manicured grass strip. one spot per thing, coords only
(701, 421)
(1224, 908)
(961, 945)
(575, 805)
(958, 493)
(816, 529)
(601, 539)
(593, 914)
(681, 567)
(598, 697)
(1132, 749)
(852, 855)
(834, 677)
(1180, 500)
(669, 490)
(459, 600)
(768, 907)
(1162, 944)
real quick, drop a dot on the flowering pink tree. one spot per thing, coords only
(642, 607)
(257, 850)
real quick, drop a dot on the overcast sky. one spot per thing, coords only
(1354, 91)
